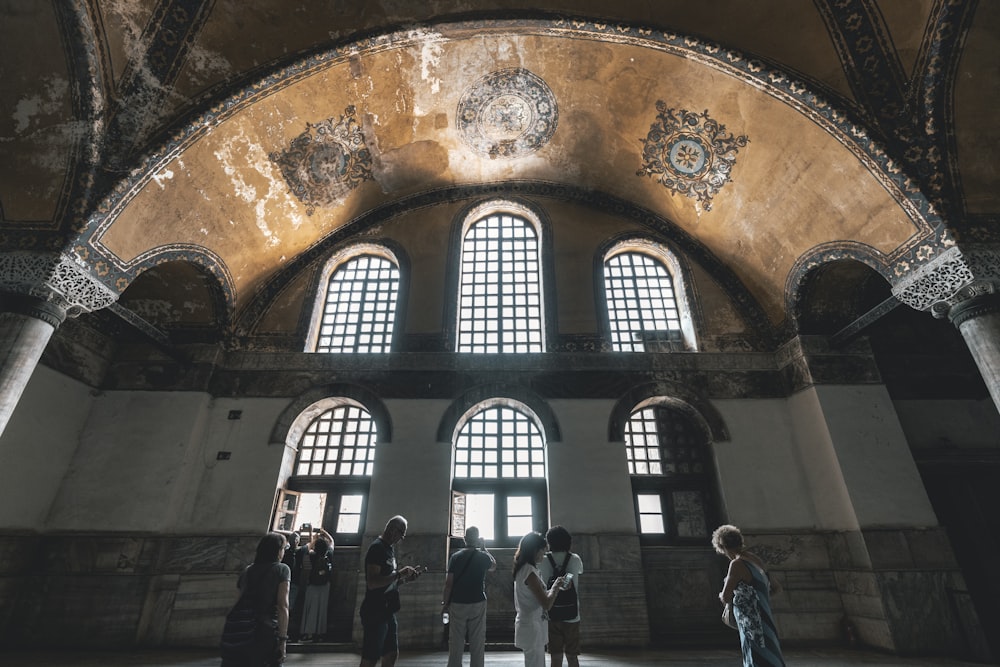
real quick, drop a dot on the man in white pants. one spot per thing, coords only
(464, 599)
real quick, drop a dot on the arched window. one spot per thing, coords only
(671, 469)
(356, 309)
(332, 471)
(645, 299)
(500, 288)
(499, 473)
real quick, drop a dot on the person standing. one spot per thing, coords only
(381, 601)
(317, 568)
(464, 599)
(747, 588)
(264, 590)
(564, 616)
(531, 600)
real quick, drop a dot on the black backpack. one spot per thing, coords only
(322, 569)
(567, 605)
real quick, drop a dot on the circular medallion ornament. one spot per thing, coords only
(508, 113)
(689, 153)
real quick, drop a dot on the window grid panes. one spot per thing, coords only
(500, 298)
(641, 301)
(360, 308)
(657, 444)
(349, 516)
(341, 442)
(499, 442)
(650, 513)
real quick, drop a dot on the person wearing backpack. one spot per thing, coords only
(564, 615)
(317, 569)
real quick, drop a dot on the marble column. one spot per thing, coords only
(963, 284)
(978, 320)
(26, 325)
(37, 292)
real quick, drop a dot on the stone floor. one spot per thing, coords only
(604, 658)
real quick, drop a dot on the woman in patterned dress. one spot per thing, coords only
(748, 589)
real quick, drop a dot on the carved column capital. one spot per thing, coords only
(55, 281)
(955, 277)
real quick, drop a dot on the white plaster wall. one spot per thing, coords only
(413, 472)
(236, 495)
(37, 446)
(763, 476)
(875, 459)
(589, 486)
(146, 462)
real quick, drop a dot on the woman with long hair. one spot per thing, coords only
(531, 600)
(318, 566)
(748, 589)
(264, 589)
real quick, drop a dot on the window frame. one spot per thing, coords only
(657, 341)
(665, 485)
(321, 288)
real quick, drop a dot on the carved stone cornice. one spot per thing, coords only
(958, 275)
(54, 279)
(973, 308)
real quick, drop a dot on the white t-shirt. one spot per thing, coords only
(575, 565)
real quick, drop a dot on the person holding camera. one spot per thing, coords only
(464, 599)
(317, 571)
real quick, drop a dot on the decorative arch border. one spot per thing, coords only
(498, 394)
(817, 257)
(182, 252)
(344, 252)
(300, 412)
(753, 71)
(689, 305)
(674, 395)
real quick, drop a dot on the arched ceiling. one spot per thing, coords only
(241, 135)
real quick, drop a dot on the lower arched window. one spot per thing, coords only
(331, 473)
(671, 469)
(499, 473)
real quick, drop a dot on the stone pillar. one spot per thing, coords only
(26, 325)
(964, 286)
(978, 319)
(37, 292)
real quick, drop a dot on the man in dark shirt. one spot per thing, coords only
(378, 609)
(464, 599)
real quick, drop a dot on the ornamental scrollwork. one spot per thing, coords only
(955, 276)
(326, 162)
(54, 278)
(689, 153)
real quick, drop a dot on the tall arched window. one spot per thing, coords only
(671, 469)
(645, 299)
(356, 311)
(332, 472)
(499, 473)
(500, 288)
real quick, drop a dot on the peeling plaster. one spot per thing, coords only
(48, 101)
(206, 66)
(165, 175)
(254, 158)
(430, 56)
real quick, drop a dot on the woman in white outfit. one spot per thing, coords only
(531, 600)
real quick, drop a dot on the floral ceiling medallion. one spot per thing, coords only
(326, 162)
(689, 153)
(507, 114)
